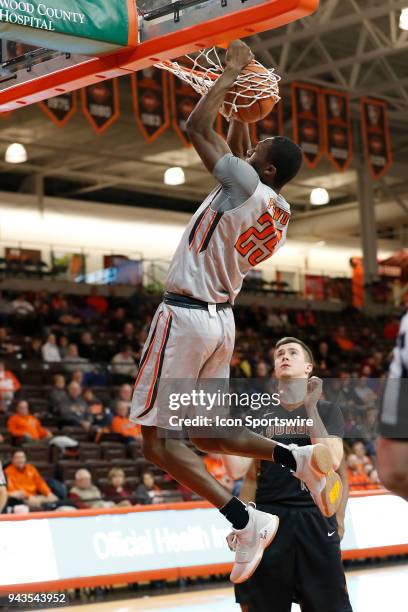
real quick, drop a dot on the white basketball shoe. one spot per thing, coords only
(249, 543)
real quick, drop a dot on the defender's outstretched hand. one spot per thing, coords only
(238, 55)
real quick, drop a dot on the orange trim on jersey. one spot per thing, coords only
(214, 214)
(198, 227)
(156, 366)
(148, 354)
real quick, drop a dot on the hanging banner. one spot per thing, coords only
(376, 136)
(151, 101)
(100, 104)
(61, 108)
(271, 125)
(183, 101)
(338, 135)
(307, 130)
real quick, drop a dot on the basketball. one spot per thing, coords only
(244, 93)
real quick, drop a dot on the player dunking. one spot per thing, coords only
(240, 224)
(392, 445)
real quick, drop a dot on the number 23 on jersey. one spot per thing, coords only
(259, 243)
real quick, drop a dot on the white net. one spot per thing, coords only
(201, 71)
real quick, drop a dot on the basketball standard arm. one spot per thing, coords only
(239, 139)
(200, 126)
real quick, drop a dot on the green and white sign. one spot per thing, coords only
(76, 26)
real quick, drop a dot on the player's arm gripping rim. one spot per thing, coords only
(200, 126)
(318, 432)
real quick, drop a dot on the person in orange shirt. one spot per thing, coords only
(215, 466)
(342, 340)
(9, 384)
(359, 477)
(25, 426)
(122, 425)
(24, 483)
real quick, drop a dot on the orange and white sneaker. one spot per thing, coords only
(249, 543)
(315, 468)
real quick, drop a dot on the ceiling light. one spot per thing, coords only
(403, 22)
(174, 176)
(16, 154)
(319, 196)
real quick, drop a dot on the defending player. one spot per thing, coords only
(392, 445)
(241, 223)
(305, 559)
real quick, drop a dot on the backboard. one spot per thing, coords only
(165, 29)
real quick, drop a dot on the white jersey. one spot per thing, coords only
(240, 224)
(399, 365)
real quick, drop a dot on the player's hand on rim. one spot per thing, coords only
(238, 55)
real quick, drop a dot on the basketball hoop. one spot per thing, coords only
(200, 72)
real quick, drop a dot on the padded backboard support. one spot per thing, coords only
(165, 30)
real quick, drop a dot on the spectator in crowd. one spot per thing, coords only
(58, 394)
(342, 340)
(116, 490)
(129, 337)
(50, 350)
(273, 320)
(85, 494)
(391, 329)
(63, 344)
(262, 370)
(122, 425)
(357, 475)
(9, 385)
(123, 363)
(74, 411)
(100, 416)
(34, 351)
(323, 358)
(216, 467)
(148, 492)
(118, 320)
(98, 303)
(365, 395)
(7, 347)
(79, 377)
(22, 307)
(25, 484)
(87, 347)
(359, 450)
(25, 427)
(125, 394)
(72, 361)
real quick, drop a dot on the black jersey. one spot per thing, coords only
(276, 483)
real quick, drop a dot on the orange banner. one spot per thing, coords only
(338, 136)
(376, 136)
(307, 131)
(100, 104)
(183, 101)
(151, 101)
(61, 108)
